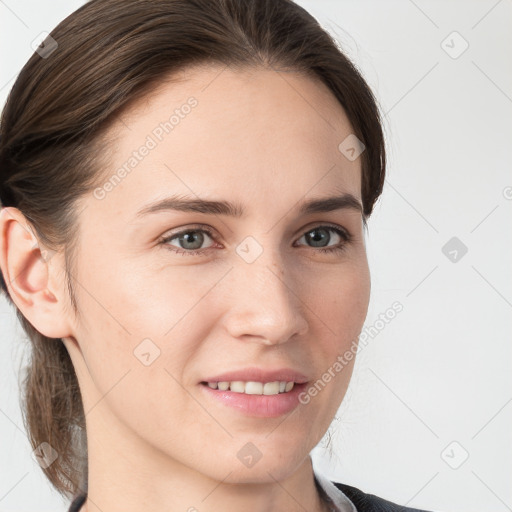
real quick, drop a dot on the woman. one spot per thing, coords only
(185, 188)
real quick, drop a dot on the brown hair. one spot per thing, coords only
(106, 55)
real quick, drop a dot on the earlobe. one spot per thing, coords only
(27, 275)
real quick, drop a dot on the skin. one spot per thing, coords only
(269, 141)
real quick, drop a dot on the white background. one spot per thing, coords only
(434, 385)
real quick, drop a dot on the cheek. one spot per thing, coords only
(133, 302)
(340, 302)
(340, 298)
(144, 322)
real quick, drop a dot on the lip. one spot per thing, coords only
(255, 374)
(262, 406)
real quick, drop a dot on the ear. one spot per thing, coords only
(27, 267)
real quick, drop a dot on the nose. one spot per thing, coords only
(265, 302)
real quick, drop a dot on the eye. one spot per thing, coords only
(318, 235)
(193, 238)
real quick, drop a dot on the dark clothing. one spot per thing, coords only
(77, 502)
(369, 502)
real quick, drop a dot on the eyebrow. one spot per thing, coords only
(211, 207)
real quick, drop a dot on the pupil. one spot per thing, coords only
(316, 239)
(197, 236)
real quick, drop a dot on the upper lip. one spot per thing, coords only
(255, 374)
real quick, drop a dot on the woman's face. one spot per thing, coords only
(257, 292)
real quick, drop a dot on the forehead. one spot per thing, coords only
(242, 134)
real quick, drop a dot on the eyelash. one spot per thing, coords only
(345, 235)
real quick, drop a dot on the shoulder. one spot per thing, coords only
(369, 502)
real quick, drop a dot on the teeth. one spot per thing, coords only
(254, 388)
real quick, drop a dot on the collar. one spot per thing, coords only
(337, 498)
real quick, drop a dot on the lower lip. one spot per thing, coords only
(262, 406)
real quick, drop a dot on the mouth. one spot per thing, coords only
(252, 387)
(255, 399)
